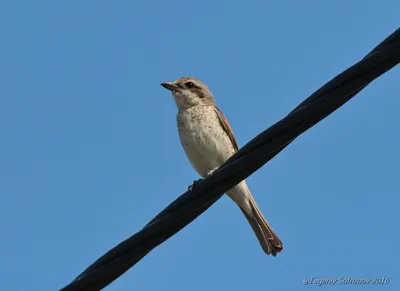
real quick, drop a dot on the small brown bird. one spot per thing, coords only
(208, 141)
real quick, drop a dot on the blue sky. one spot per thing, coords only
(90, 151)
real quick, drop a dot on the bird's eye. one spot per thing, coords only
(189, 84)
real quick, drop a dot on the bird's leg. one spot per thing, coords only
(209, 173)
(195, 182)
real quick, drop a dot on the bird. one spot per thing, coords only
(208, 141)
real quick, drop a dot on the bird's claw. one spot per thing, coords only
(195, 182)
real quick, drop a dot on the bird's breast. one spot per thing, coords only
(206, 144)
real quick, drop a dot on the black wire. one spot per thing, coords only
(245, 162)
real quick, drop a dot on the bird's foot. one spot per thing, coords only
(195, 182)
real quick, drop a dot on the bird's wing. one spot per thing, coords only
(227, 128)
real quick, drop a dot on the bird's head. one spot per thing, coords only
(189, 92)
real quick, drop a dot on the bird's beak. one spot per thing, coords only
(170, 86)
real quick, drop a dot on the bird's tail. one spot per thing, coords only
(267, 237)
